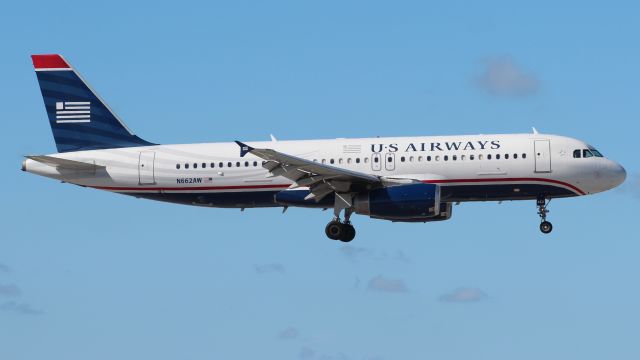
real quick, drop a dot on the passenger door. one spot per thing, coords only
(542, 154)
(146, 171)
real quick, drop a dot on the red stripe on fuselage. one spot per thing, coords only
(234, 187)
(253, 187)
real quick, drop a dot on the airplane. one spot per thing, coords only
(400, 179)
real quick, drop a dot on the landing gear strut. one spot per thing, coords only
(542, 204)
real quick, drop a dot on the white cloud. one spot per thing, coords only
(10, 290)
(306, 353)
(19, 308)
(289, 333)
(464, 295)
(269, 268)
(502, 76)
(380, 283)
(362, 253)
(309, 353)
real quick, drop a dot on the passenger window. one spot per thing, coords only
(524, 156)
(437, 158)
(401, 159)
(229, 164)
(375, 159)
(480, 157)
(213, 165)
(195, 165)
(348, 160)
(366, 160)
(429, 158)
(340, 161)
(186, 166)
(238, 164)
(515, 156)
(357, 160)
(332, 161)
(462, 157)
(489, 157)
(446, 158)
(410, 158)
(204, 165)
(246, 164)
(586, 153)
(419, 158)
(221, 164)
(324, 161)
(506, 156)
(177, 166)
(471, 157)
(577, 154)
(455, 157)
(255, 164)
(497, 156)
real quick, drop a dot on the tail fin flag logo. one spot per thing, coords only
(73, 112)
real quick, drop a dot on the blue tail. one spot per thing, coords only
(79, 119)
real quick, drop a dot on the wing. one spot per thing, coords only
(321, 179)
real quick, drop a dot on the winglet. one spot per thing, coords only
(244, 148)
(535, 131)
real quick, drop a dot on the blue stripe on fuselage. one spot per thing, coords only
(450, 193)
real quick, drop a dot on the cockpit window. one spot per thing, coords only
(595, 152)
(577, 154)
(586, 153)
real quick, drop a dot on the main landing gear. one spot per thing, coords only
(542, 204)
(338, 230)
(342, 231)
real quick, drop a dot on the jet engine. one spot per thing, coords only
(404, 203)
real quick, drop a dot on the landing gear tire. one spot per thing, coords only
(546, 227)
(349, 233)
(335, 230)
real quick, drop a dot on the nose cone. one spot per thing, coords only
(617, 174)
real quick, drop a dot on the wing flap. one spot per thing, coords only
(321, 179)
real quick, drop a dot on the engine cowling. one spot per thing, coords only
(408, 203)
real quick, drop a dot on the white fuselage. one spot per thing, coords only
(471, 167)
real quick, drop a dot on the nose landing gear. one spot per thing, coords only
(545, 226)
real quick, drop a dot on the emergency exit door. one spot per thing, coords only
(542, 150)
(390, 161)
(146, 171)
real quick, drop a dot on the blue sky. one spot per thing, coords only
(91, 275)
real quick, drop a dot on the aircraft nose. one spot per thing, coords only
(618, 174)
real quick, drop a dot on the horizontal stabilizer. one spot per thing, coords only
(64, 163)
